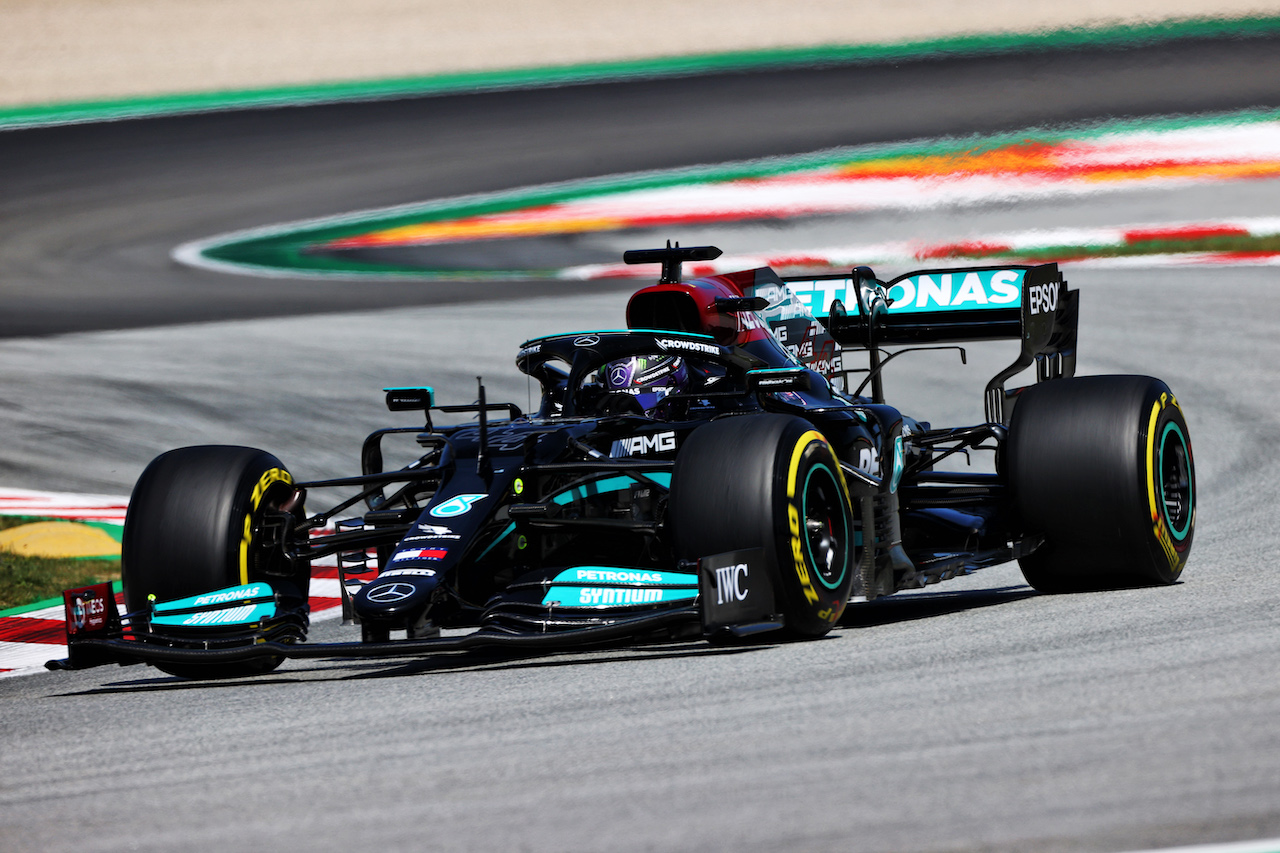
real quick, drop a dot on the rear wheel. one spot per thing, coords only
(192, 528)
(1102, 467)
(770, 482)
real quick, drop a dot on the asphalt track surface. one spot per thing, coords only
(90, 212)
(973, 716)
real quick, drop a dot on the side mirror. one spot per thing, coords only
(410, 399)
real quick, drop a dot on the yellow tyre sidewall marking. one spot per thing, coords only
(1159, 527)
(793, 520)
(268, 478)
(1151, 459)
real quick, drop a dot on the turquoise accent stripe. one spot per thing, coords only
(613, 586)
(533, 78)
(503, 535)
(218, 598)
(1191, 497)
(608, 484)
(241, 614)
(808, 545)
(595, 487)
(239, 605)
(609, 597)
(978, 290)
(598, 575)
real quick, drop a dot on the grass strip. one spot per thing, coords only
(26, 580)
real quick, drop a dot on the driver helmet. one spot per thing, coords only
(646, 379)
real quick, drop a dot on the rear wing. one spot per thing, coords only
(1027, 303)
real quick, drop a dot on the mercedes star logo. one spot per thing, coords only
(389, 592)
(586, 341)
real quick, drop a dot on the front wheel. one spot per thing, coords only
(191, 528)
(770, 482)
(1102, 467)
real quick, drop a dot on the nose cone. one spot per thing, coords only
(399, 596)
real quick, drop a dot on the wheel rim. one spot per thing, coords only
(1176, 492)
(826, 527)
(274, 489)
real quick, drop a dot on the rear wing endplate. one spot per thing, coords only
(1027, 303)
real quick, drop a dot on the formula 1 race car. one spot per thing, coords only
(708, 471)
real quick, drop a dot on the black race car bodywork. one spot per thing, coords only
(760, 495)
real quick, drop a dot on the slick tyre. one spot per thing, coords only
(190, 529)
(1102, 467)
(770, 482)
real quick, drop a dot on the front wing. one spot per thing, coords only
(247, 623)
